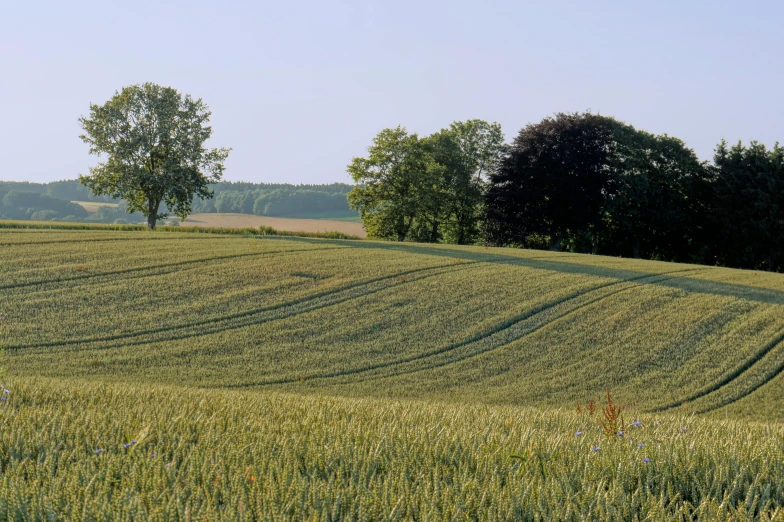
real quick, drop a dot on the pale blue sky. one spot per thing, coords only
(299, 88)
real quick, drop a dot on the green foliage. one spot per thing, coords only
(44, 215)
(430, 189)
(279, 200)
(479, 146)
(659, 197)
(748, 214)
(154, 141)
(396, 182)
(552, 182)
(262, 199)
(69, 190)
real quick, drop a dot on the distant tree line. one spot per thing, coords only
(48, 201)
(69, 190)
(578, 183)
(19, 204)
(279, 200)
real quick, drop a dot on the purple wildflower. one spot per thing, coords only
(594, 448)
(99, 451)
(646, 460)
(641, 445)
(126, 446)
(620, 433)
(637, 424)
(578, 434)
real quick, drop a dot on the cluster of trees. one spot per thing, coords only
(426, 189)
(282, 200)
(580, 183)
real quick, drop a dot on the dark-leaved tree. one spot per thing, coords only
(748, 212)
(657, 205)
(552, 182)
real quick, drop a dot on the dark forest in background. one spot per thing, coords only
(587, 183)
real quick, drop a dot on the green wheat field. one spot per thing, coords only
(196, 376)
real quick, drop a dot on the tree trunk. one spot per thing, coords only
(555, 243)
(434, 232)
(152, 216)
(460, 230)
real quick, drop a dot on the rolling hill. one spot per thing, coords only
(407, 321)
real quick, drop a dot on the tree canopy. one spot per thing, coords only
(396, 184)
(426, 189)
(552, 181)
(153, 138)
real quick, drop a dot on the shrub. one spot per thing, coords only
(44, 215)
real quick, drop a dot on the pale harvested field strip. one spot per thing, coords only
(335, 296)
(278, 223)
(93, 206)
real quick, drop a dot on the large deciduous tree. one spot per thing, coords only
(153, 138)
(657, 206)
(426, 189)
(396, 183)
(552, 182)
(470, 150)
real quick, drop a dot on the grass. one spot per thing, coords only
(460, 324)
(367, 380)
(89, 451)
